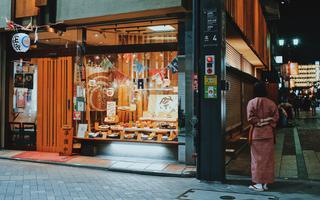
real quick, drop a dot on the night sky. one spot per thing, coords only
(301, 19)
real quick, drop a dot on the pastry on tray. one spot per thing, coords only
(103, 127)
(144, 136)
(113, 135)
(111, 119)
(151, 136)
(165, 138)
(116, 127)
(130, 136)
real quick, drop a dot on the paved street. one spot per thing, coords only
(24, 180)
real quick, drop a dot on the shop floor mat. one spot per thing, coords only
(42, 156)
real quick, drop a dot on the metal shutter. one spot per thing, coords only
(247, 96)
(233, 102)
(233, 58)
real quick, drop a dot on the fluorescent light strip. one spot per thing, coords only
(163, 28)
(163, 38)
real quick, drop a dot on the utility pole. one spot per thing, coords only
(209, 19)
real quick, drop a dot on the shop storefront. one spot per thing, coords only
(115, 90)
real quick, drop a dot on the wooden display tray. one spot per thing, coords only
(157, 119)
(126, 140)
(152, 130)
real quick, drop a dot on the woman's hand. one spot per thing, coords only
(260, 124)
(268, 119)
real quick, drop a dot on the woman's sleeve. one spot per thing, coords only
(275, 116)
(252, 115)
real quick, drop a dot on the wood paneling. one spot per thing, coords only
(26, 8)
(248, 16)
(54, 96)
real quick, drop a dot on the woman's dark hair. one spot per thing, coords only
(259, 89)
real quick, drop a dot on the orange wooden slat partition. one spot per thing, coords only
(54, 102)
(25, 8)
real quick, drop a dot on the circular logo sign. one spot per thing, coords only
(20, 42)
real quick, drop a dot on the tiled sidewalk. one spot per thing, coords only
(297, 152)
(150, 167)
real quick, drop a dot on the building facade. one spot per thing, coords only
(307, 75)
(118, 77)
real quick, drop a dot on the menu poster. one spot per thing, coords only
(28, 81)
(82, 130)
(80, 106)
(18, 80)
(166, 104)
(80, 91)
(76, 115)
(111, 108)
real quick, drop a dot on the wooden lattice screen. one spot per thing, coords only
(54, 104)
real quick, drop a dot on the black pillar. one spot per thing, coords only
(210, 19)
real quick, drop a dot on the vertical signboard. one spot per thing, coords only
(211, 20)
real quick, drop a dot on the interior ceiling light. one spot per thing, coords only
(163, 28)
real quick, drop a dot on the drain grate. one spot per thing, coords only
(195, 194)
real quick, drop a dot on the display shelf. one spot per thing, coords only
(157, 119)
(126, 140)
(155, 130)
(155, 89)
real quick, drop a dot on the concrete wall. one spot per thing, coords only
(2, 87)
(5, 11)
(78, 9)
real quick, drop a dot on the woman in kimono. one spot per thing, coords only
(262, 114)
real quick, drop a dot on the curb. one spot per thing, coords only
(111, 169)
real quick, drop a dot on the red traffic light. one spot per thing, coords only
(209, 59)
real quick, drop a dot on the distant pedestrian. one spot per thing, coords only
(262, 114)
(296, 106)
(313, 105)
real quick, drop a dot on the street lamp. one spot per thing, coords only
(281, 42)
(295, 41)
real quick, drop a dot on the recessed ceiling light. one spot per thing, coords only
(163, 38)
(162, 28)
(96, 35)
(282, 2)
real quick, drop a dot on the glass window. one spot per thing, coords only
(128, 96)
